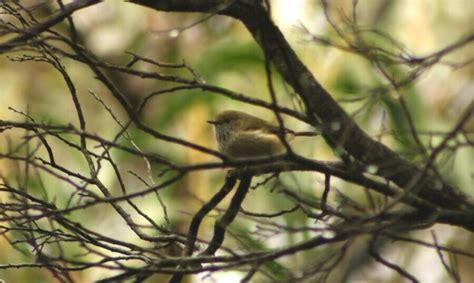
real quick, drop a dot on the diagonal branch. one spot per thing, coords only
(338, 129)
(221, 224)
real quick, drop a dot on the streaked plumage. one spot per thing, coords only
(241, 135)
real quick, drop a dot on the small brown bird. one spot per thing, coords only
(240, 135)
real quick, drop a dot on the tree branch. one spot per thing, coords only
(322, 111)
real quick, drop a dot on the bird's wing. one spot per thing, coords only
(264, 126)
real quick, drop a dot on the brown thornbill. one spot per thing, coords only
(240, 135)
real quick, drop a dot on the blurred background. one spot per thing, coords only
(222, 52)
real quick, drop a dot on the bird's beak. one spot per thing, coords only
(212, 122)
